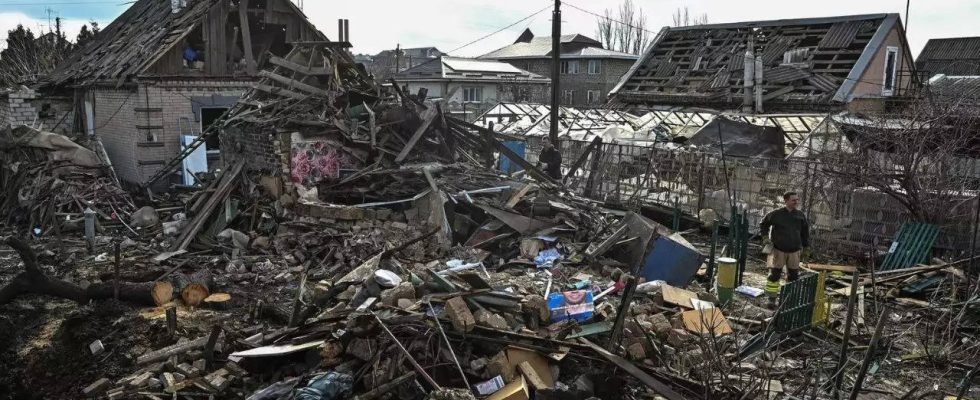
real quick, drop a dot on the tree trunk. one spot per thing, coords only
(33, 280)
(194, 288)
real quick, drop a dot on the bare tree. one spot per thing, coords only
(683, 17)
(626, 32)
(27, 57)
(922, 155)
(625, 28)
(604, 29)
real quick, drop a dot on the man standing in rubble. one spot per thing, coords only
(788, 232)
(551, 158)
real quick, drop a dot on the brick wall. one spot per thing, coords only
(114, 123)
(141, 125)
(264, 151)
(28, 107)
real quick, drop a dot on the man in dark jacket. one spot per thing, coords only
(789, 233)
(551, 158)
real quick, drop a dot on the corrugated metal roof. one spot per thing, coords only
(951, 56)
(468, 69)
(573, 46)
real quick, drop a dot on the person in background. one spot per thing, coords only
(551, 158)
(788, 232)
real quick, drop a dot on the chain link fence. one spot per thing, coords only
(846, 219)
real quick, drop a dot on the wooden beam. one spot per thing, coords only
(282, 62)
(427, 118)
(246, 37)
(293, 84)
(279, 91)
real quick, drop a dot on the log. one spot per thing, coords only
(218, 301)
(34, 281)
(162, 292)
(194, 288)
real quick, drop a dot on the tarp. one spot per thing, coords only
(741, 139)
(59, 147)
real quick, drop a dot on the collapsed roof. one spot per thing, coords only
(151, 29)
(812, 61)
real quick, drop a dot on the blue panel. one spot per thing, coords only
(518, 147)
(671, 262)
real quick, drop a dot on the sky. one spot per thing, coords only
(449, 25)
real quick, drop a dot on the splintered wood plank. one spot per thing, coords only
(293, 84)
(282, 62)
(427, 118)
(279, 91)
(246, 36)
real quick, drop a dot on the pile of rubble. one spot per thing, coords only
(380, 255)
(49, 181)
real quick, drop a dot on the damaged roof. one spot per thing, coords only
(468, 69)
(135, 40)
(573, 46)
(807, 61)
(950, 56)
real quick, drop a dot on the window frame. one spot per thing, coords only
(590, 99)
(888, 85)
(567, 67)
(478, 91)
(598, 67)
(568, 96)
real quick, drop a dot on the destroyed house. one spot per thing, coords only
(813, 64)
(474, 84)
(161, 73)
(588, 70)
(950, 56)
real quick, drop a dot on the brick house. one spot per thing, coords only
(163, 71)
(472, 85)
(588, 71)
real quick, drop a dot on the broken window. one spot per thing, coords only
(208, 117)
(592, 96)
(569, 67)
(472, 95)
(568, 96)
(891, 69)
(595, 67)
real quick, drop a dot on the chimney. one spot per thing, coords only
(343, 30)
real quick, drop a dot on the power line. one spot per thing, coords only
(501, 29)
(605, 17)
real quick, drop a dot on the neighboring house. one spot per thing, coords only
(383, 65)
(159, 75)
(588, 71)
(951, 57)
(812, 64)
(474, 84)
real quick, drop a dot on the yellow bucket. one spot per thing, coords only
(726, 279)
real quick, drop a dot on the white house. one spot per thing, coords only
(473, 84)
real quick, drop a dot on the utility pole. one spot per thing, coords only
(555, 71)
